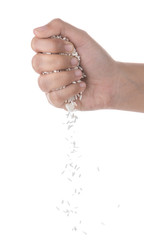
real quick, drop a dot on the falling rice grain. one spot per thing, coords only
(75, 166)
(69, 179)
(68, 203)
(73, 174)
(84, 233)
(74, 229)
(102, 223)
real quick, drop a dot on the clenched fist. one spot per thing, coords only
(99, 86)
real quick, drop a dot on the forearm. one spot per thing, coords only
(130, 87)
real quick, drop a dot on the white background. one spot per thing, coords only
(32, 146)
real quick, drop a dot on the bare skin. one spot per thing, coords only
(108, 85)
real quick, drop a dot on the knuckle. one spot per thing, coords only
(84, 32)
(55, 98)
(34, 44)
(44, 84)
(41, 83)
(56, 21)
(36, 63)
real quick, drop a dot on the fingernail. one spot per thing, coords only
(82, 84)
(68, 47)
(78, 73)
(40, 29)
(74, 61)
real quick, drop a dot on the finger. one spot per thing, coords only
(51, 45)
(58, 98)
(47, 63)
(51, 82)
(59, 27)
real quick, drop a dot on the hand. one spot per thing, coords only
(99, 87)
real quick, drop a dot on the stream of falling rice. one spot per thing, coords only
(71, 172)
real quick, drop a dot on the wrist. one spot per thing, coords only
(118, 86)
(129, 87)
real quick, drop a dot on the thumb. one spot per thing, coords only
(59, 27)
